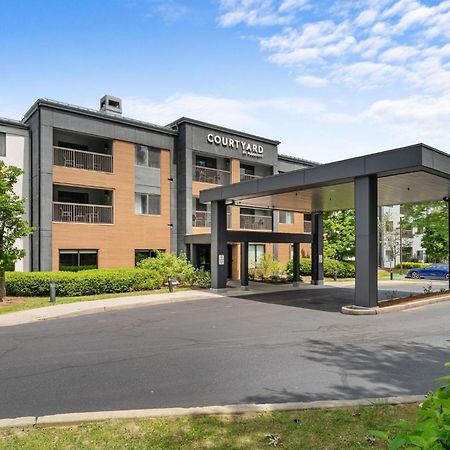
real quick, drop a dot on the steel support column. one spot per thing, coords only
(317, 248)
(244, 265)
(219, 251)
(366, 226)
(295, 263)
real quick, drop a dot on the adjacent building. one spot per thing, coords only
(105, 190)
(15, 151)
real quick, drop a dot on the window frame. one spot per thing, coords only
(2, 144)
(149, 162)
(147, 196)
(78, 253)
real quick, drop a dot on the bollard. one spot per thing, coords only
(170, 284)
(52, 292)
(335, 275)
(392, 275)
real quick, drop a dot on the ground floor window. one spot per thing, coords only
(255, 254)
(140, 255)
(74, 260)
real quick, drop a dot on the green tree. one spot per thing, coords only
(339, 234)
(12, 224)
(432, 218)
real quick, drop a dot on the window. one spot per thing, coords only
(389, 226)
(247, 170)
(140, 255)
(307, 223)
(75, 260)
(204, 161)
(147, 204)
(147, 156)
(287, 217)
(255, 254)
(2, 144)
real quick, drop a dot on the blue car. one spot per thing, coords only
(434, 271)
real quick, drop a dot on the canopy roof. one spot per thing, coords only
(405, 175)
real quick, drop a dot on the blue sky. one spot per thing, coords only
(330, 79)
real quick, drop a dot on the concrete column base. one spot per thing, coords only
(317, 282)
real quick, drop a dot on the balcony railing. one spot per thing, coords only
(255, 222)
(247, 177)
(212, 176)
(307, 226)
(201, 219)
(80, 159)
(81, 213)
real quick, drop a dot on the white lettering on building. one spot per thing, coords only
(248, 149)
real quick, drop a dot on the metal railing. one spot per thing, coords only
(255, 222)
(209, 175)
(201, 219)
(81, 159)
(247, 176)
(82, 213)
(307, 226)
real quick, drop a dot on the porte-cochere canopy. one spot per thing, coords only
(405, 175)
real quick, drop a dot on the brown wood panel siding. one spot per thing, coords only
(116, 243)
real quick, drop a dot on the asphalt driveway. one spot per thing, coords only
(219, 351)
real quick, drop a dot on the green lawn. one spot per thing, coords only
(332, 429)
(24, 303)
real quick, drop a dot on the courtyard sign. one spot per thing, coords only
(248, 149)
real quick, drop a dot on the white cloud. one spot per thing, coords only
(312, 81)
(366, 17)
(398, 54)
(289, 5)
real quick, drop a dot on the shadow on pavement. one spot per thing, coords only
(387, 370)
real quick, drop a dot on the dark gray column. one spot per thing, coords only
(192, 254)
(295, 263)
(366, 234)
(244, 265)
(317, 248)
(219, 251)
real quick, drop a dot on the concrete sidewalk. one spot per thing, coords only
(95, 306)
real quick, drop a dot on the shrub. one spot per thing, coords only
(202, 279)
(268, 269)
(170, 265)
(87, 282)
(411, 265)
(432, 428)
(343, 269)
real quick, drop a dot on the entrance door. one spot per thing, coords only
(230, 261)
(203, 257)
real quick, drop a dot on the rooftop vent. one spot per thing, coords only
(111, 105)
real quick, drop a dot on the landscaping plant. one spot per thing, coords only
(12, 224)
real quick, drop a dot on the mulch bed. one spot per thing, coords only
(415, 298)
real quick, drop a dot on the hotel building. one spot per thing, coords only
(105, 190)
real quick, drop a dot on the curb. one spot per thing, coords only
(77, 418)
(361, 311)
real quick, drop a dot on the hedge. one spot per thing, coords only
(342, 269)
(87, 282)
(412, 265)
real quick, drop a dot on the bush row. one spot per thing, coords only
(411, 265)
(87, 282)
(331, 267)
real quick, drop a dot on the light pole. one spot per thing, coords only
(401, 242)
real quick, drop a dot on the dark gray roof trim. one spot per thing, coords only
(295, 159)
(219, 128)
(93, 113)
(13, 123)
(401, 160)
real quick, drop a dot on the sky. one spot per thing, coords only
(329, 79)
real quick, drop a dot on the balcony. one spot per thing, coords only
(82, 213)
(201, 219)
(81, 159)
(256, 222)
(210, 175)
(247, 177)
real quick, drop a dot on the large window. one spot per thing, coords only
(2, 144)
(140, 255)
(147, 204)
(255, 254)
(74, 260)
(204, 161)
(147, 156)
(245, 169)
(287, 217)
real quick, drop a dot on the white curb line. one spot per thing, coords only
(76, 418)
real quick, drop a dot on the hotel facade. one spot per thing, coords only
(105, 191)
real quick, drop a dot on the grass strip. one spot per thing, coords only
(331, 429)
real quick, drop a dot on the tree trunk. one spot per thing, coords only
(2, 286)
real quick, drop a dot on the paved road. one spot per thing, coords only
(219, 351)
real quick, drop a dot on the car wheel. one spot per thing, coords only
(446, 276)
(415, 275)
